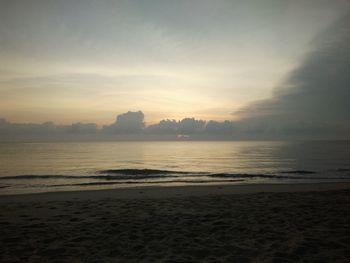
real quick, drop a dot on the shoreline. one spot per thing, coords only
(158, 192)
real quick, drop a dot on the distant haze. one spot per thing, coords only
(200, 69)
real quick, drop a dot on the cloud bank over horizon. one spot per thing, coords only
(129, 123)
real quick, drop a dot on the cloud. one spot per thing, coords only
(80, 128)
(130, 122)
(191, 126)
(185, 126)
(163, 127)
(46, 128)
(7, 128)
(314, 98)
(218, 128)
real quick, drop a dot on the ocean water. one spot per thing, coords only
(47, 167)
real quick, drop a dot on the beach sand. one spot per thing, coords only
(247, 223)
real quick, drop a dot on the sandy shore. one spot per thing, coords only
(247, 223)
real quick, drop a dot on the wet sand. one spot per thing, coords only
(252, 223)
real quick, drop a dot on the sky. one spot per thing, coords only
(88, 61)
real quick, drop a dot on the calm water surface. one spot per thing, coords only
(41, 167)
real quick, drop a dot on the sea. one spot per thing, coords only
(71, 166)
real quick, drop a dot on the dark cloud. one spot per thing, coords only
(130, 122)
(46, 128)
(7, 128)
(191, 126)
(218, 128)
(163, 127)
(80, 128)
(185, 126)
(314, 99)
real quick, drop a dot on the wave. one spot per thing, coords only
(228, 175)
(279, 176)
(98, 177)
(111, 174)
(271, 176)
(140, 171)
(298, 172)
(141, 174)
(153, 182)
